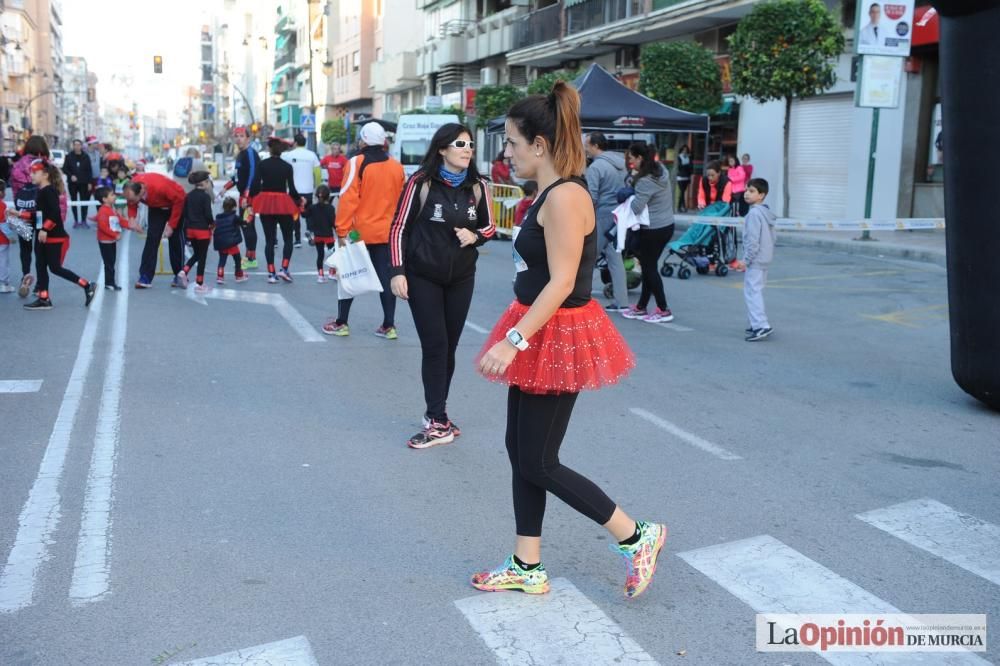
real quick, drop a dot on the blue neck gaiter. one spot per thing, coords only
(453, 179)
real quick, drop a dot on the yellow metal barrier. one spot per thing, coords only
(505, 198)
(162, 261)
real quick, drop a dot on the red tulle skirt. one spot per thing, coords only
(275, 203)
(578, 349)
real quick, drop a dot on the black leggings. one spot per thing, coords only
(439, 313)
(682, 185)
(109, 253)
(651, 244)
(26, 247)
(271, 224)
(199, 257)
(236, 261)
(49, 258)
(379, 253)
(78, 192)
(250, 236)
(536, 425)
(321, 248)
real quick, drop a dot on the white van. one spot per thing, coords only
(413, 138)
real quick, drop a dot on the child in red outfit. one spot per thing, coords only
(109, 230)
(530, 188)
(5, 287)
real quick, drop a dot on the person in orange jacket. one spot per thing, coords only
(368, 199)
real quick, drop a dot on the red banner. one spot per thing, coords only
(926, 28)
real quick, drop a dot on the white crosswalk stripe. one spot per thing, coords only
(961, 539)
(771, 577)
(561, 627)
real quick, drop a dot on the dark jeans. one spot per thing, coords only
(439, 313)
(271, 224)
(380, 259)
(651, 244)
(109, 253)
(78, 192)
(682, 185)
(157, 223)
(49, 259)
(536, 425)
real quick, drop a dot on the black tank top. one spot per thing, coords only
(530, 245)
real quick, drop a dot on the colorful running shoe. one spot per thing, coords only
(658, 316)
(387, 332)
(333, 328)
(640, 557)
(242, 277)
(634, 313)
(455, 430)
(431, 435)
(250, 263)
(509, 576)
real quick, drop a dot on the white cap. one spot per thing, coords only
(373, 134)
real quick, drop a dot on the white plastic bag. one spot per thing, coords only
(355, 272)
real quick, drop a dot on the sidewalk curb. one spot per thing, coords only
(874, 248)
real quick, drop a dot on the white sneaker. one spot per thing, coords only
(182, 277)
(321, 279)
(659, 316)
(6, 289)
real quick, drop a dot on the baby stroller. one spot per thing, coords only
(633, 276)
(701, 246)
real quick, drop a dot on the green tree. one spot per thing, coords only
(543, 84)
(493, 101)
(785, 49)
(332, 131)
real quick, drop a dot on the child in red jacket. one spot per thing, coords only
(109, 230)
(530, 188)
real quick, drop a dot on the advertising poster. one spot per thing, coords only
(884, 28)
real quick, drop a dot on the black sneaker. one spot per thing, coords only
(612, 307)
(112, 287)
(432, 435)
(39, 304)
(89, 292)
(759, 334)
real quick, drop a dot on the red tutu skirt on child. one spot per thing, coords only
(578, 349)
(275, 203)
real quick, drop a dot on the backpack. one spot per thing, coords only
(183, 167)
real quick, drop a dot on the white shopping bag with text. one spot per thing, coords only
(355, 272)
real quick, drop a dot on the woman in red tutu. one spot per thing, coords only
(278, 206)
(553, 342)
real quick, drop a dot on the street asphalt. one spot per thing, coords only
(262, 489)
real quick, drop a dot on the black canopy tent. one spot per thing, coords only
(608, 106)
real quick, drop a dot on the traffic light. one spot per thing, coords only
(254, 128)
(158, 64)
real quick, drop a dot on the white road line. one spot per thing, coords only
(298, 323)
(289, 652)
(21, 385)
(693, 440)
(91, 572)
(562, 627)
(677, 327)
(963, 540)
(771, 577)
(40, 515)
(477, 329)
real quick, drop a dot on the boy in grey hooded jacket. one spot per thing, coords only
(759, 236)
(605, 176)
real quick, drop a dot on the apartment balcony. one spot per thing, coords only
(395, 74)
(585, 29)
(286, 24)
(462, 41)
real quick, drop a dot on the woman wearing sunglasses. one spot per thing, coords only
(444, 214)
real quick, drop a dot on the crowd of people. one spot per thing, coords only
(422, 236)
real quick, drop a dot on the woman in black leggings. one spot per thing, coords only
(553, 342)
(443, 215)
(654, 193)
(52, 241)
(198, 222)
(278, 205)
